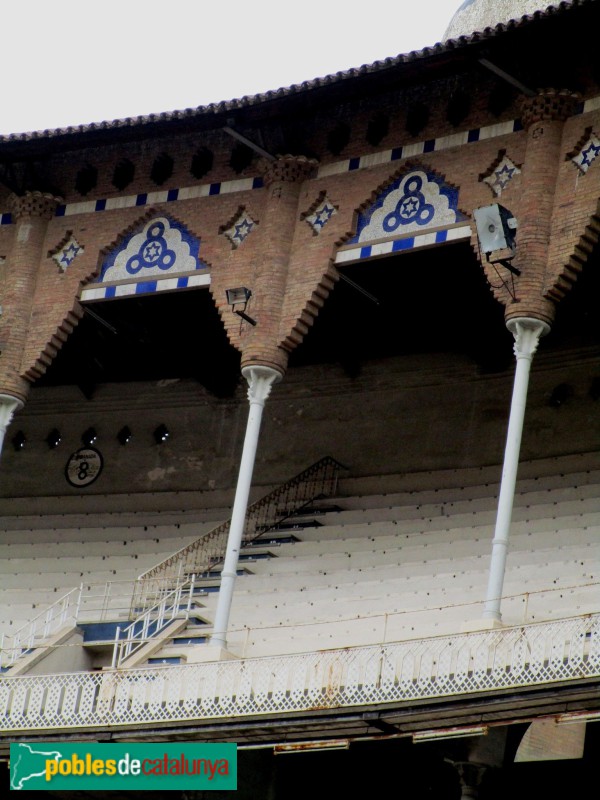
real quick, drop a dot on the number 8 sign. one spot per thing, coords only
(83, 467)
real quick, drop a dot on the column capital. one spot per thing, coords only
(8, 406)
(548, 104)
(34, 204)
(527, 332)
(470, 774)
(260, 382)
(287, 169)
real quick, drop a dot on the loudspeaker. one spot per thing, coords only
(496, 228)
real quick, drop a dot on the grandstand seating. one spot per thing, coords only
(359, 569)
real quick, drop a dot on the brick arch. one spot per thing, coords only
(57, 310)
(309, 296)
(33, 367)
(312, 305)
(560, 284)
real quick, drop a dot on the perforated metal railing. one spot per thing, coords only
(154, 587)
(420, 669)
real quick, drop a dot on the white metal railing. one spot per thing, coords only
(155, 589)
(510, 658)
(202, 555)
(48, 622)
(175, 605)
(93, 602)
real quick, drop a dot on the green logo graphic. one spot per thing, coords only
(156, 767)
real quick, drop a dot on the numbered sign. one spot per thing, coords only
(83, 467)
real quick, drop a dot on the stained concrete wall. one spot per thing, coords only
(401, 415)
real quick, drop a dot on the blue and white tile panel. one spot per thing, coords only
(435, 145)
(401, 244)
(419, 148)
(145, 287)
(164, 196)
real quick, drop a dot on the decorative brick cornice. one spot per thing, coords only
(548, 104)
(288, 169)
(34, 204)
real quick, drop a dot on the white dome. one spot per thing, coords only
(475, 15)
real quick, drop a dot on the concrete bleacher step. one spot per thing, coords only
(273, 538)
(291, 525)
(312, 510)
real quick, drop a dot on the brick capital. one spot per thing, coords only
(548, 104)
(288, 169)
(34, 204)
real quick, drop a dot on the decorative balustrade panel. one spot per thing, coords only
(510, 658)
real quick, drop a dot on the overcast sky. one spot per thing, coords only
(66, 62)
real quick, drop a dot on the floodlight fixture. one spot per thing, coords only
(53, 439)
(496, 234)
(89, 436)
(124, 435)
(18, 441)
(240, 297)
(161, 434)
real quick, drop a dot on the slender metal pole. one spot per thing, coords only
(8, 406)
(260, 380)
(527, 333)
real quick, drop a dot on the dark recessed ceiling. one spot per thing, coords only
(429, 301)
(437, 300)
(148, 337)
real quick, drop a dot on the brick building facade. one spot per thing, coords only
(346, 206)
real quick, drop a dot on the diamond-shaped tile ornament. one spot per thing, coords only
(587, 154)
(239, 229)
(502, 175)
(67, 253)
(321, 215)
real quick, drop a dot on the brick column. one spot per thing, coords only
(31, 214)
(283, 178)
(543, 117)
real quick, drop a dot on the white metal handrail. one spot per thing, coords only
(421, 669)
(176, 604)
(40, 627)
(151, 593)
(208, 551)
(154, 589)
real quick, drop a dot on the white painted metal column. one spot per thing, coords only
(527, 333)
(8, 406)
(260, 380)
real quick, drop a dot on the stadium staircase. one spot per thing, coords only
(163, 599)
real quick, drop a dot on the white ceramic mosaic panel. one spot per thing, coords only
(67, 253)
(158, 248)
(415, 204)
(588, 154)
(502, 176)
